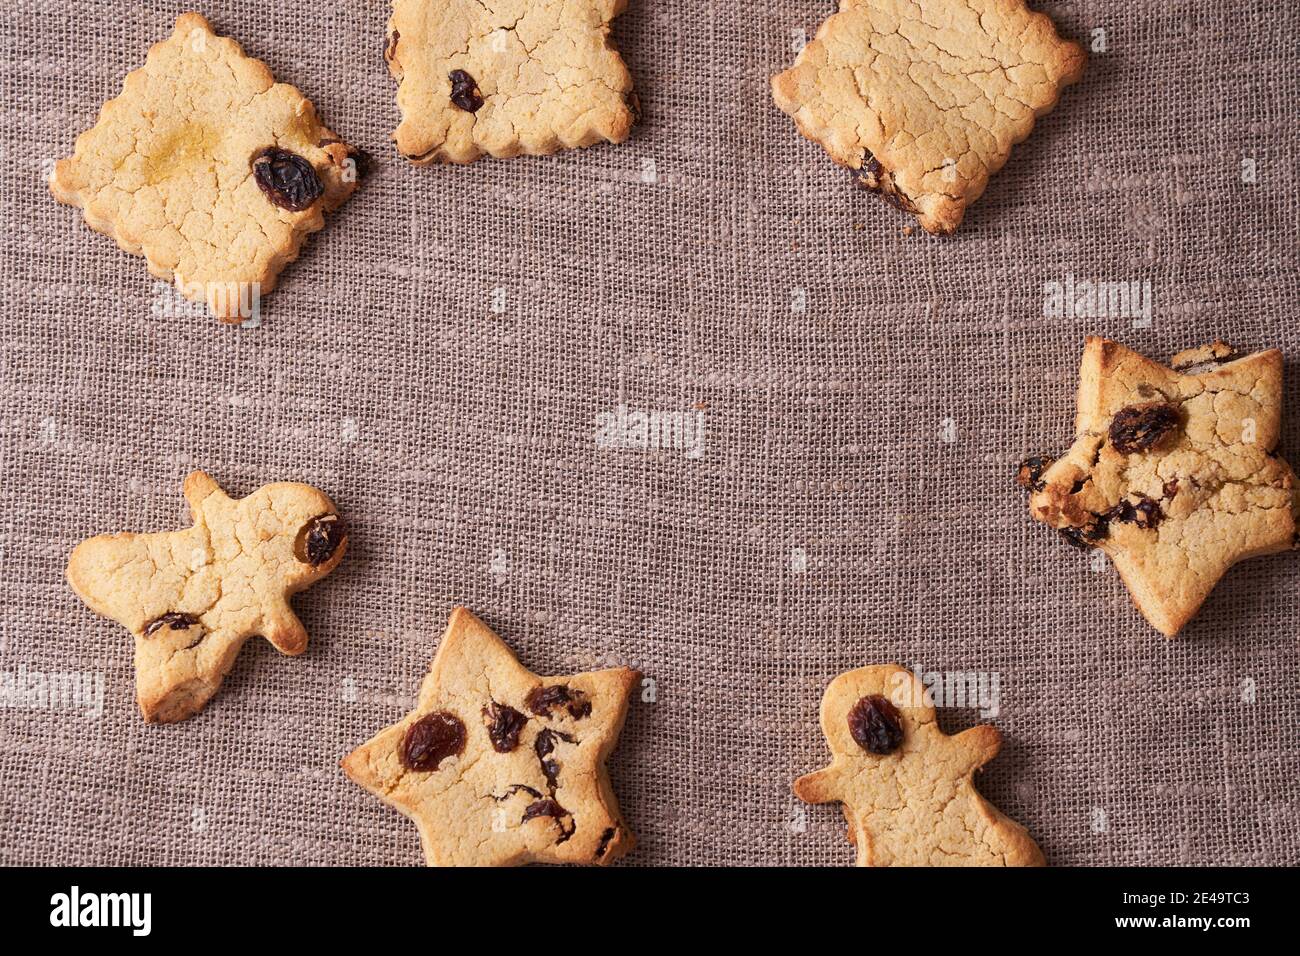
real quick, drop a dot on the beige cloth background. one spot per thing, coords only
(828, 524)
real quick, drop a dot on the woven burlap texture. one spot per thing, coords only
(445, 357)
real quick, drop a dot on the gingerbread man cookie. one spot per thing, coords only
(1174, 472)
(208, 168)
(191, 598)
(505, 77)
(906, 786)
(924, 99)
(497, 766)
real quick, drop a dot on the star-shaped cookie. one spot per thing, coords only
(497, 766)
(208, 168)
(191, 598)
(906, 787)
(925, 98)
(505, 77)
(1174, 472)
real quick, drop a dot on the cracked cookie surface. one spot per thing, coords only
(925, 98)
(1174, 473)
(192, 598)
(167, 170)
(906, 786)
(505, 77)
(497, 766)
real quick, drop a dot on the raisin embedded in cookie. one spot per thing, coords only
(497, 766)
(191, 598)
(208, 168)
(906, 786)
(1174, 473)
(925, 98)
(505, 77)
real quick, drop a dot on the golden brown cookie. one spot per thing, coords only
(906, 787)
(505, 77)
(925, 98)
(1174, 472)
(191, 598)
(497, 766)
(208, 168)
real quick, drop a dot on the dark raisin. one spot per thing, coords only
(1145, 512)
(431, 740)
(320, 538)
(1030, 473)
(544, 746)
(1142, 427)
(1204, 359)
(361, 160)
(544, 808)
(542, 700)
(417, 158)
(877, 179)
(1171, 488)
(519, 788)
(1075, 538)
(1148, 513)
(286, 178)
(504, 724)
(869, 175)
(551, 808)
(1086, 536)
(876, 725)
(173, 620)
(605, 838)
(464, 91)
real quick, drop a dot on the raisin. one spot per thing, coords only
(431, 740)
(504, 724)
(544, 808)
(320, 538)
(877, 179)
(361, 160)
(417, 157)
(1030, 473)
(544, 746)
(464, 91)
(551, 808)
(1204, 359)
(173, 620)
(1086, 536)
(1145, 513)
(876, 725)
(519, 788)
(1142, 427)
(1170, 488)
(545, 742)
(603, 846)
(542, 700)
(286, 178)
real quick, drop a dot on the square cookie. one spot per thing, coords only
(505, 77)
(925, 98)
(208, 168)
